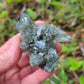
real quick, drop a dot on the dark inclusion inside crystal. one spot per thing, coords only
(39, 40)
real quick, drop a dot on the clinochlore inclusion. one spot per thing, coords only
(39, 41)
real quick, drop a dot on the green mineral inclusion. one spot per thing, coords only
(39, 40)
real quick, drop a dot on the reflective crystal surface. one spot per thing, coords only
(39, 40)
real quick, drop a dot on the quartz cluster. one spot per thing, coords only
(39, 41)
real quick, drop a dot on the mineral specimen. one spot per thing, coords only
(39, 40)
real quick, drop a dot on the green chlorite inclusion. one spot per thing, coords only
(39, 41)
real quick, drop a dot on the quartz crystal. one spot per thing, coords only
(39, 41)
